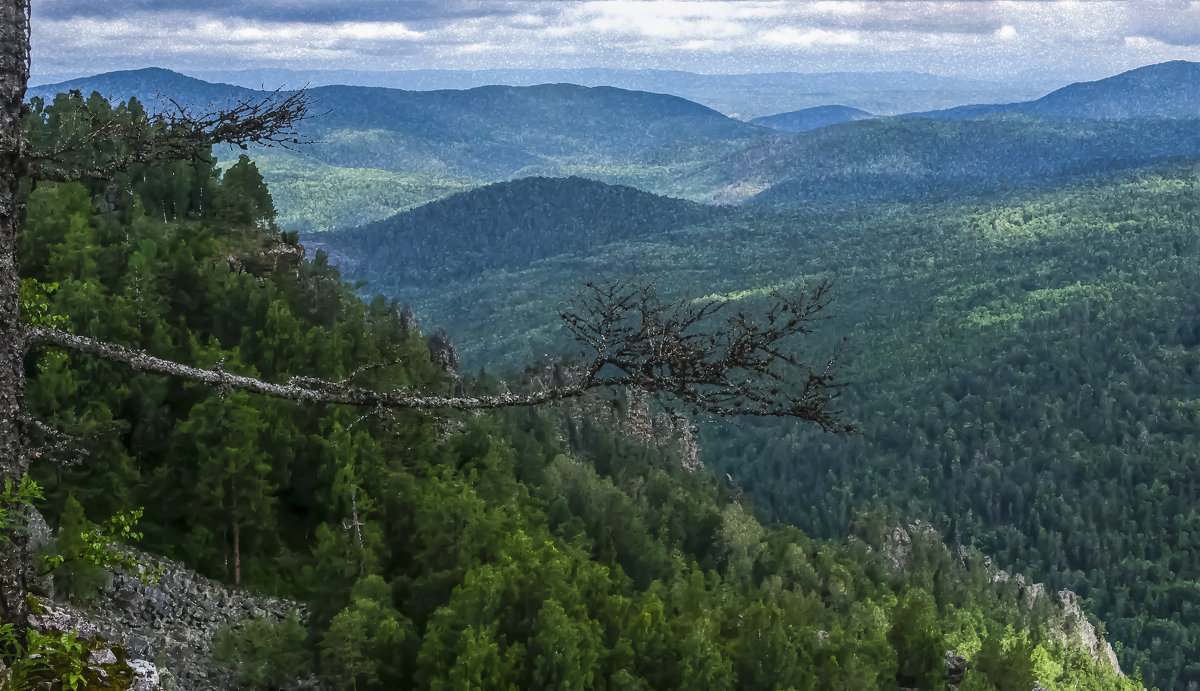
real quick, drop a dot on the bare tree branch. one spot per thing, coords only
(301, 389)
(68, 449)
(698, 355)
(100, 145)
(681, 353)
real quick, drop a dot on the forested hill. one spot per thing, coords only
(147, 85)
(1165, 90)
(746, 95)
(490, 132)
(503, 226)
(529, 549)
(812, 118)
(1023, 373)
(908, 159)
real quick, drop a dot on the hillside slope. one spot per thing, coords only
(486, 133)
(911, 159)
(504, 226)
(530, 549)
(1164, 90)
(1022, 370)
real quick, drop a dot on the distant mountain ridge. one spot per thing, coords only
(812, 118)
(489, 133)
(1164, 90)
(740, 95)
(670, 146)
(147, 85)
(910, 159)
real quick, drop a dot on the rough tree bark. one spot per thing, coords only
(14, 76)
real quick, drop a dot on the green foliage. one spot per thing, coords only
(84, 552)
(265, 654)
(314, 197)
(35, 304)
(34, 307)
(243, 199)
(76, 574)
(920, 645)
(15, 498)
(1005, 663)
(515, 549)
(53, 658)
(363, 640)
(1022, 372)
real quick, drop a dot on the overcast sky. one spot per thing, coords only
(963, 37)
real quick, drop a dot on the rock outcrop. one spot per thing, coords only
(165, 631)
(1070, 625)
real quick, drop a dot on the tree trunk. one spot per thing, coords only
(237, 536)
(14, 76)
(237, 554)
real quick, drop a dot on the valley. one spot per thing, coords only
(1015, 314)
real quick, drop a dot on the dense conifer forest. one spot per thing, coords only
(1020, 371)
(527, 548)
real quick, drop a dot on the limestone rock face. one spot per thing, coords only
(171, 623)
(1075, 623)
(145, 676)
(1070, 625)
(956, 668)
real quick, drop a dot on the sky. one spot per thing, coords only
(976, 38)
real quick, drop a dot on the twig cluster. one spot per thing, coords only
(47, 442)
(702, 355)
(98, 145)
(689, 354)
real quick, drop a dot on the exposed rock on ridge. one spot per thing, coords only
(171, 623)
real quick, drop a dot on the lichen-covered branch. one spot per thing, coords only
(301, 389)
(699, 355)
(65, 448)
(691, 355)
(98, 143)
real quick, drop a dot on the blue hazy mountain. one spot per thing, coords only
(485, 133)
(741, 95)
(151, 86)
(1165, 90)
(812, 118)
(911, 159)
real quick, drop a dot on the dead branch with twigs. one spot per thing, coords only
(686, 354)
(95, 145)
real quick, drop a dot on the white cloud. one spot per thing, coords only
(981, 37)
(791, 37)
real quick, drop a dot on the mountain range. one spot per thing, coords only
(664, 144)
(670, 146)
(1165, 90)
(740, 95)
(1016, 284)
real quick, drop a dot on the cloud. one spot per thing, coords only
(1170, 23)
(311, 11)
(978, 37)
(788, 36)
(929, 17)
